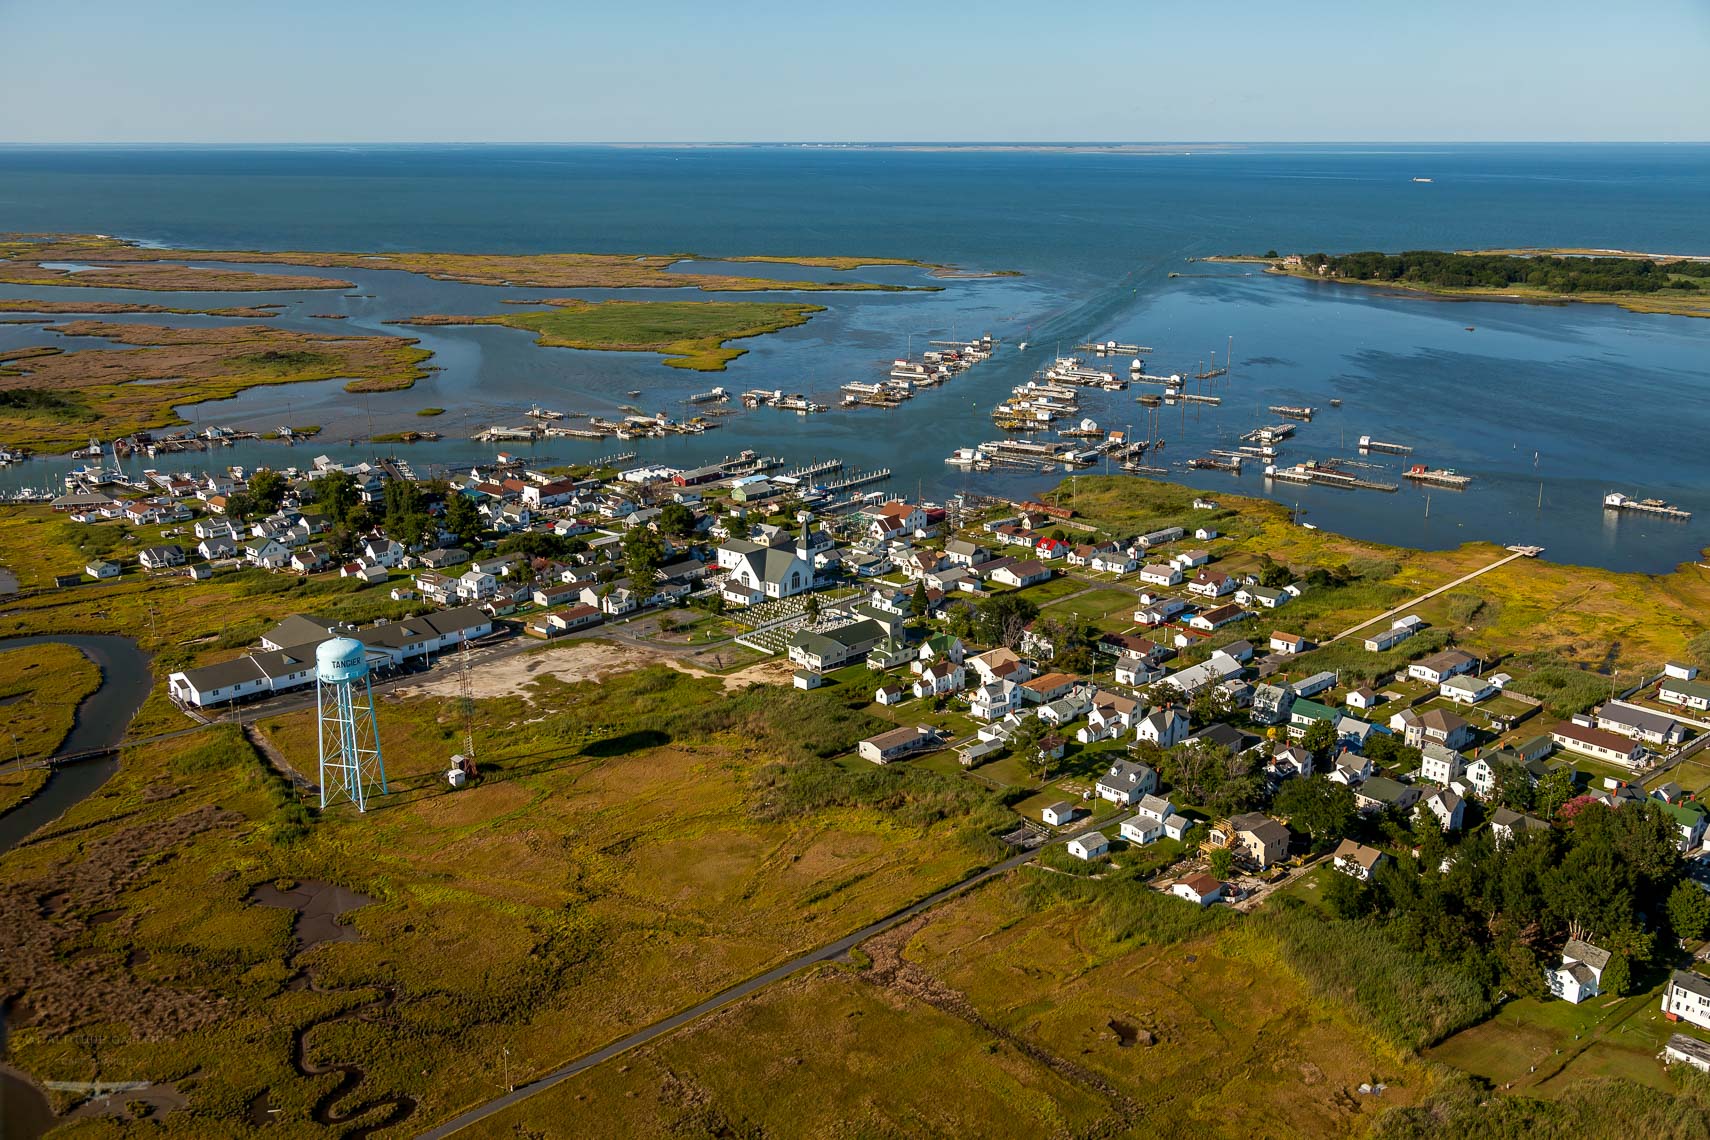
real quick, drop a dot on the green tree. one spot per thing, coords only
(335, 494)
(1025, 743)
(267, 487)
(918, 603)
(1222, 861)
(1320, 740)
(1323, 809)
(1002, 619)
(534, 544)
(1555, 789)
(643, 554)
(462, 519)
(676, 519)
(1617, 977)
(1346, 896)
(241, 507)
(810, 608)
(1689, 910)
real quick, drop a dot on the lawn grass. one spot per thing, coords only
(1094, 606)
(1544, 1046)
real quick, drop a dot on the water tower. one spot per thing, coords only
(351, 766)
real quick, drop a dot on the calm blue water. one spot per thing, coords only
(1573, 401)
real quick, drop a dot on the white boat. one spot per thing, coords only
(1421, 180)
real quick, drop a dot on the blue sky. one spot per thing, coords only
(221, 71)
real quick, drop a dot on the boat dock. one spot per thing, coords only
(612, 460)
(1292, 412)
(1326, 475)
(1111, 348)
(1275, 433)
(1367, 443)
(858, 479)
(711, 395)
(812, 469)
(497, 434)
(1616, 501)
(778, 398)
(1193, 398)
(1437, 477)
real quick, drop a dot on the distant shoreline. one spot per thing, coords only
(1634, 302)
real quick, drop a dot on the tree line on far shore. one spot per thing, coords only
(1496, 271)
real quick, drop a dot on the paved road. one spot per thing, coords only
(1526, 552)
(737, 992)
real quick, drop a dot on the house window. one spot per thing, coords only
(796, 580)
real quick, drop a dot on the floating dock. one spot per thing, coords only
(708, 397)
(1292, 412)
(1367, 443)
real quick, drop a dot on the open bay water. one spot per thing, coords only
(1571, 401)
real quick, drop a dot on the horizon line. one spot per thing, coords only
(833, 144)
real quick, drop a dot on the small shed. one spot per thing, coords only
(1089, 846)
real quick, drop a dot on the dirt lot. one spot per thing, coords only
(582, 661)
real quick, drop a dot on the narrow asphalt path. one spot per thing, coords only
(826, 953)
(1527, 552)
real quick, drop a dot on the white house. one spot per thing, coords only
(161, 557)
(994, 699)
(267, 553)
(1641, 724)
(1126, 782)
(1165, 728)
(1465, 689)
(1687, 998)
(1155, 807)
(1288, 644)
(1134, 670)
(1356, 859)
(1024, 573)
(1161, 574)
(1440, 765)
(1115, 562)
(1439, 667)
(1212, 584)
(1142, 829)
(1200, 889)
(1580, 973)
(477, 586)
(1446, 806)
(938, 679)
